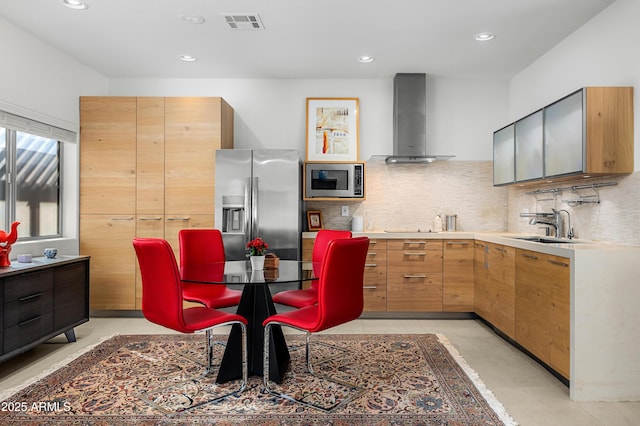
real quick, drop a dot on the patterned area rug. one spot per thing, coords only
(157, 379)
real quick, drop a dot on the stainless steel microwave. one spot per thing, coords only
(333, 180)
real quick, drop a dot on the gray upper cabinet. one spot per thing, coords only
(529, 144)
(587, 133)
(563, 136)
(503, 156)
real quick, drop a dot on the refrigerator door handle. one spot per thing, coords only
(248, 232)
(255, 232)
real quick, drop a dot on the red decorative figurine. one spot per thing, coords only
(5, 244)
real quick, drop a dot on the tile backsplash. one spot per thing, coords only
(409, 196)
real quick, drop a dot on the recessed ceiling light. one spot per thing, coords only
(484, 36)
(188, 58)
(75, 4)
(366, 59)
(193, 19)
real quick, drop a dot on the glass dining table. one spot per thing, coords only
(255, 305)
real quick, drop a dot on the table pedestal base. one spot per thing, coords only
(255, 305)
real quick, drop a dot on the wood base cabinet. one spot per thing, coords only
(543, 307)
(458, 276)
(375, 277)
(495, 290)
(414, 275)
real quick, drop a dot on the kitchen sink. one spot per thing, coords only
(546, 240)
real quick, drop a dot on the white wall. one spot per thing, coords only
(603, 52)
(462, 114)
(42, 84)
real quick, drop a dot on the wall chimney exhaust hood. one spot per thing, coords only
(410, 121)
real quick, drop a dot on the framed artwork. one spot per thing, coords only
(332, 129)
(314, 220)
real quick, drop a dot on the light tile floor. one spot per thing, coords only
(528, 392)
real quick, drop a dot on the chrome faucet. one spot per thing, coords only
(551, 220)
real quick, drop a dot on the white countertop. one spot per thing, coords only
(505, 238)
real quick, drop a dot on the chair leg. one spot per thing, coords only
(265, 371)
(245, 366)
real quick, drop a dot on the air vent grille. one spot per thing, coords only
(243, 21)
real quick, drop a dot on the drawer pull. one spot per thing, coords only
(415, 276)
(500, 249)
(415, 242)
(529, 256)
(29, 321)
(371, 287)
(372, 253)
(417, 253)
(371, 265)
(150, 218)
(556, 262)
(30, 297)
(372, 242)
(122, 218)
(178, 218)
(457, 243)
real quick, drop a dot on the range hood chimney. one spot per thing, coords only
(410, 121)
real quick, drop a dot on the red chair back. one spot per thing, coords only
(340, 287)
(161, 285)
(323, 238)
(200, 246)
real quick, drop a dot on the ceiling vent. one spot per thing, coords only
(243, 21)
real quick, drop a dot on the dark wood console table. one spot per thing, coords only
(40, 300)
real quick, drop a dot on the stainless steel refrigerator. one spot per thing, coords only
(258, 195)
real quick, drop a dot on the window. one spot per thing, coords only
(30, 176)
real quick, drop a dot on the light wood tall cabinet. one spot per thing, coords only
(147, 168)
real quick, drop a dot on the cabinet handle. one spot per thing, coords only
(529, 256)
(371, 265)
(458, 243)
(556, 262)
(500, 249)
(372, 242)
(29, 320)
(417, 253)
(372, 287)
(121, 218)
(479, 245)
(415, 276)
(415, 242)
(150, 218)
(372, 253)
(178, 218)
(33, 296)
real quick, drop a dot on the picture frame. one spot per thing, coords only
(314, 220)
(333, 129)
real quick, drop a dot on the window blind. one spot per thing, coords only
(22, 124)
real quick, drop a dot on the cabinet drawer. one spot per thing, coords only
(414, 291)
(414, 244)
(27, 284)
(426, 260)
(27, 308)
(375, 245)
(27, 331)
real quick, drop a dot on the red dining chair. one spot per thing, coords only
(205, 246)
(309, 296)
(340, 300)
(162, 301)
